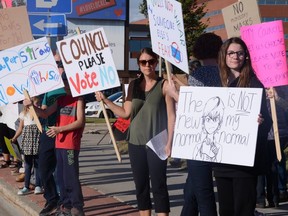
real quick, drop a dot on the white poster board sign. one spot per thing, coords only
(241, 13)
(88, 62)
(29, 66)
(167, 32)
(217, 124)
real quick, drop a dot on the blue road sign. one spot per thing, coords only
(48, 25)
(49, 6)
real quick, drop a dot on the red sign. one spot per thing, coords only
(93, 6)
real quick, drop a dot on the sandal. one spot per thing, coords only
(13, 164)
(4, 164)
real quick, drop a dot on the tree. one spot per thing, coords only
(192, 15)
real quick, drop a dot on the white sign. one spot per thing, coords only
(167, 32)
(88, 62)
(114, 30)
(217, 124)
(29, 66)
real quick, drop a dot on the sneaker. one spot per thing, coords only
(77, 212)
(38, 190)
(23, 191)
(48, 209)
(61, 211)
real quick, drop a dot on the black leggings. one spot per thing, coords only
(145, 163)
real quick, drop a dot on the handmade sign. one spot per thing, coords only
(241, 13)
(14, 27)
(167, 32)
(88, 62)
(266, 44)
(29, 66)
(217, 124)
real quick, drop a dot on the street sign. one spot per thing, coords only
(48, 25)
(49, 6)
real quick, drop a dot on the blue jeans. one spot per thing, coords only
(199, 190)
(31, 161)
(47, 165)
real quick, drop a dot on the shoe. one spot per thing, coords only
(48, 209)
(62, 211)
(283, 196)
(261, 205)
(77, 212)
(38, 190)
(23, 191)
(20, 178)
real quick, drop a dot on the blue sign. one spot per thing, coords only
(48, 25)
(49, 6)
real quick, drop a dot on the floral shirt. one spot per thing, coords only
(205, 76)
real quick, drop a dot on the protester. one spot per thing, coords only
(147, 99)
(47, 156)
(199, 189)
(276, 178)
(29, 146)
(236, 185)
(68, 132)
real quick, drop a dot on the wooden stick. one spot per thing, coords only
(275, 126)
(169, 70)
(160, 67)
(32, 111)
(107, 121)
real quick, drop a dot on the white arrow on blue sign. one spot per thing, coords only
(48, 25)
(49, 6)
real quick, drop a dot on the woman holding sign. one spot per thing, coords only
(151, 112)
(236, 185)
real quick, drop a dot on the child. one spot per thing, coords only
(29, 146)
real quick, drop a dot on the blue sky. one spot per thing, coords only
(134, 10)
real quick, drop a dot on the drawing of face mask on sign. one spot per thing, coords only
(176, 54)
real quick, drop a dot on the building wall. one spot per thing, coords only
(267, 12)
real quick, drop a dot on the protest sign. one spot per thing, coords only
(14, 27)
(266, 44)
(241, 13)
(13, 149)
(29, 66)
(217, 124)
(88, 62)
(167, 32)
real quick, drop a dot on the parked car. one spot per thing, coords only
(94, 109)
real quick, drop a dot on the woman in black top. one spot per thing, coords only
(236, 185)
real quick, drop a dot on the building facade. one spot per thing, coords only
(270, 10)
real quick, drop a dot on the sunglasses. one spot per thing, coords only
(150, 62)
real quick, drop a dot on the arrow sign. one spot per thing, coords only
(42, 25)
(48, 25)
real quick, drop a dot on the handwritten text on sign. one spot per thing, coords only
(217, 124)
(266, 44)
(167, 32)
(88, 62)
(28, 66)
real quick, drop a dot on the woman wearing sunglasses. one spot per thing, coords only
(151, 111)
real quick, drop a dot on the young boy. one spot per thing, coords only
(68, 132)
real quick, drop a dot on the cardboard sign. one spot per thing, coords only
(29, 66)
(217, 124)
(167, 32)
(88, 62)
(14, 27)
(13, 149)
(266, 44)
(241, 13)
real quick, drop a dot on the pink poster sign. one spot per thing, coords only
(266, 45)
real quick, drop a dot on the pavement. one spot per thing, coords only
(107, 184)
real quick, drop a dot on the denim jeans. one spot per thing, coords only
(199, 190)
